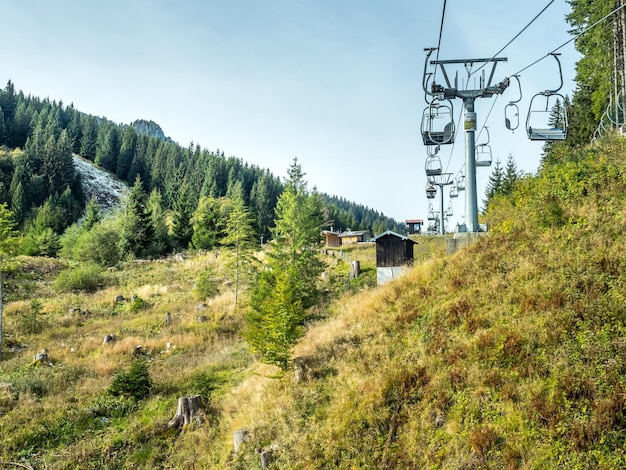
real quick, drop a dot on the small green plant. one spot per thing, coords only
(110, 406)
(85, 278)
(31, 322)
(135, 383)
(206, 286)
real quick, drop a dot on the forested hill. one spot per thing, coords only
(38, 138)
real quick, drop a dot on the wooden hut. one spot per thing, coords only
(414, 226)
(331, 239)
(350, 237)
(394, 252)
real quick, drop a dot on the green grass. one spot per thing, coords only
(508, 354)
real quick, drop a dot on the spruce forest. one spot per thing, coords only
(164, 334)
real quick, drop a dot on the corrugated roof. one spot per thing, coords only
(391, 233)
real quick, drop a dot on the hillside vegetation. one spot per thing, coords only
(508, 354)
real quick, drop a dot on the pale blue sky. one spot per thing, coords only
(336, 83)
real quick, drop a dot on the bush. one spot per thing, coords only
(85, 278)
(206, 286)
(135, 383)
(99, 245)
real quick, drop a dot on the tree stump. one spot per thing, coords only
(137, 351)
(267, 455)
(300, 369)
(240, 436)
(355, 269)
(186, 412)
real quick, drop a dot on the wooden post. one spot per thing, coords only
(186, 411)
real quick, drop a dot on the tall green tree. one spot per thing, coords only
(594, 70)
(239, 238)
(511, 175)
(209, 222)
(136, 231)
(288, 285)
(494, 185)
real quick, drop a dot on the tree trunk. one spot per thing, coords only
(355, 269)
(186, 412)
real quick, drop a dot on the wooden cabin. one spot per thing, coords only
(350, 237)
(331, 238)
(414, 225)
(394, 252)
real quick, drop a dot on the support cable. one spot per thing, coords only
(517, 35)
(443, 15)
(570, 40)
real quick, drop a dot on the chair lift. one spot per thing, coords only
(483, 153)
(460, 182)
(431, 214)
(433, 165)
(454, 192)
(449, 212)
(554, 113)
(431, 191)
(438, 123)
(511, 110)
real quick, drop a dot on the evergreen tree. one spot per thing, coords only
(511, 175)
(92, 216)
(209, 222)
(239, 236)
(182, 212)
(136, 231)
(20, 127)
(289, 283)
(88, 141)
(127, 152)
(494, 186)
(106, 146)
(160, 241)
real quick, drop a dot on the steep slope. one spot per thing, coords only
(510, 354)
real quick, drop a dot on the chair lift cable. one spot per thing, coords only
(517, 35)
(571, 39)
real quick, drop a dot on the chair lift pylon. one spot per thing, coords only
(511, 110)
(544, 115)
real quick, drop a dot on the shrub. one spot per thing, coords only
(135, 383)
(86, 278)
(206, 286)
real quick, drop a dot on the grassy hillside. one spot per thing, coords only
(509, 354)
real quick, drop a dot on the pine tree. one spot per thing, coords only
(239, 236)
(511, 175)
(136, 229)
(494, 186)
(182, 212)
(88, 141)
(160, 241)
(289, 283)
